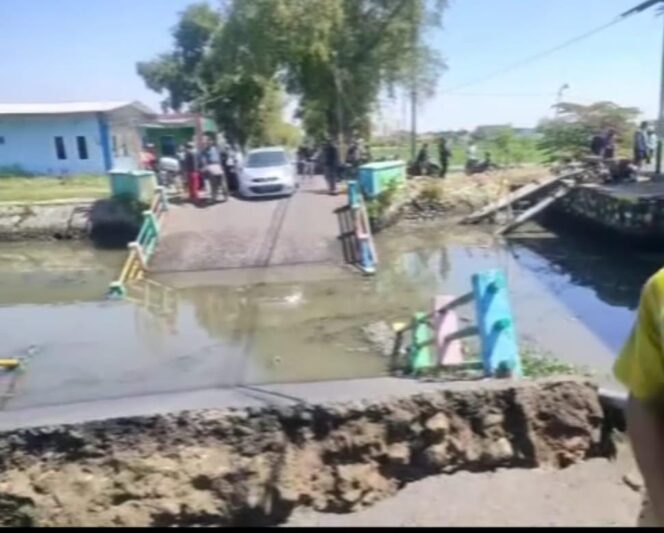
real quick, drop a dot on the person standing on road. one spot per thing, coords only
(422, 161)
(640, 367)
(331, 163)
(444, 154)
(212, 169)
(641, 145)
(310, 162)
(302, 156)
(190, 166)
(653, 140)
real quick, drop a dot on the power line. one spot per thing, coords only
(539, 55)
(507, 95)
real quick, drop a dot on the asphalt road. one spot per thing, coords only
(303, 229)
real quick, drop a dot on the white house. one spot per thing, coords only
(72, 138)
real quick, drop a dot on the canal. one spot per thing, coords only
(570, 298)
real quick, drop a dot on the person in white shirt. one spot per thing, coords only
(653, 139)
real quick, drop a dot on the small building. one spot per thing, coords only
(168, 132)
(72, 138)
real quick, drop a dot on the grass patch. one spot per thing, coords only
(522, 151)
(537, 364)
(39, 189)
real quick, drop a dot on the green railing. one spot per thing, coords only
(143, 248)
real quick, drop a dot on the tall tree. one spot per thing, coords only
(176, 72)
(334, 56)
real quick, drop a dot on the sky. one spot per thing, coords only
(86, 50)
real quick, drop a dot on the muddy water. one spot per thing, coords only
(288, 325)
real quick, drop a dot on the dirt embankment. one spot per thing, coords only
(459, 195)
(255, 467)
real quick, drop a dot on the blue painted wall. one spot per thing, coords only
(28, 141)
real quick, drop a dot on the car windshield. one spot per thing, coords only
(266, 159)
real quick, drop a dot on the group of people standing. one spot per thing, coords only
(208, 167)
(423, 162)
(329, 157)
(603, 144)
(645, 144)
(473, 163)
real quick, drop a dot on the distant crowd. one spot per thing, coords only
(603, 145)
(211, 170)
(326, 159)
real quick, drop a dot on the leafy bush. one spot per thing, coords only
(377, 207)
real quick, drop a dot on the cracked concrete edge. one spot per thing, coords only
(248, 396)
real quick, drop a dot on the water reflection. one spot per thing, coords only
(599, 284)
(616, 277)
(166, 339)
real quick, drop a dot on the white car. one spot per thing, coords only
(268, 172)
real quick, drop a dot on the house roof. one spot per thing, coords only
(69, 107)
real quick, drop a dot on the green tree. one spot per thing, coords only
(569, 134)
(176, 72)
(504, 140)
(335, 56)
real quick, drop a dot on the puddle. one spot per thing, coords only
(256, 329)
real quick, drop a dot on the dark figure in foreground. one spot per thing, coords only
(640, 367)
(444, 154)
(331, 164)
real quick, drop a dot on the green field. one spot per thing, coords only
(39, 189)
(521, 151)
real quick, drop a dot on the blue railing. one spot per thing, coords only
(366, 250)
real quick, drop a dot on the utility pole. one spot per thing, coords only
(559, 98)
(413, 93)
(660, 119)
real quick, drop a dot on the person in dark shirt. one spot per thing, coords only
(597, 145)
(331, 163)
(444, 154)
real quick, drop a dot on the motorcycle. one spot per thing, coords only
(169, 173)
